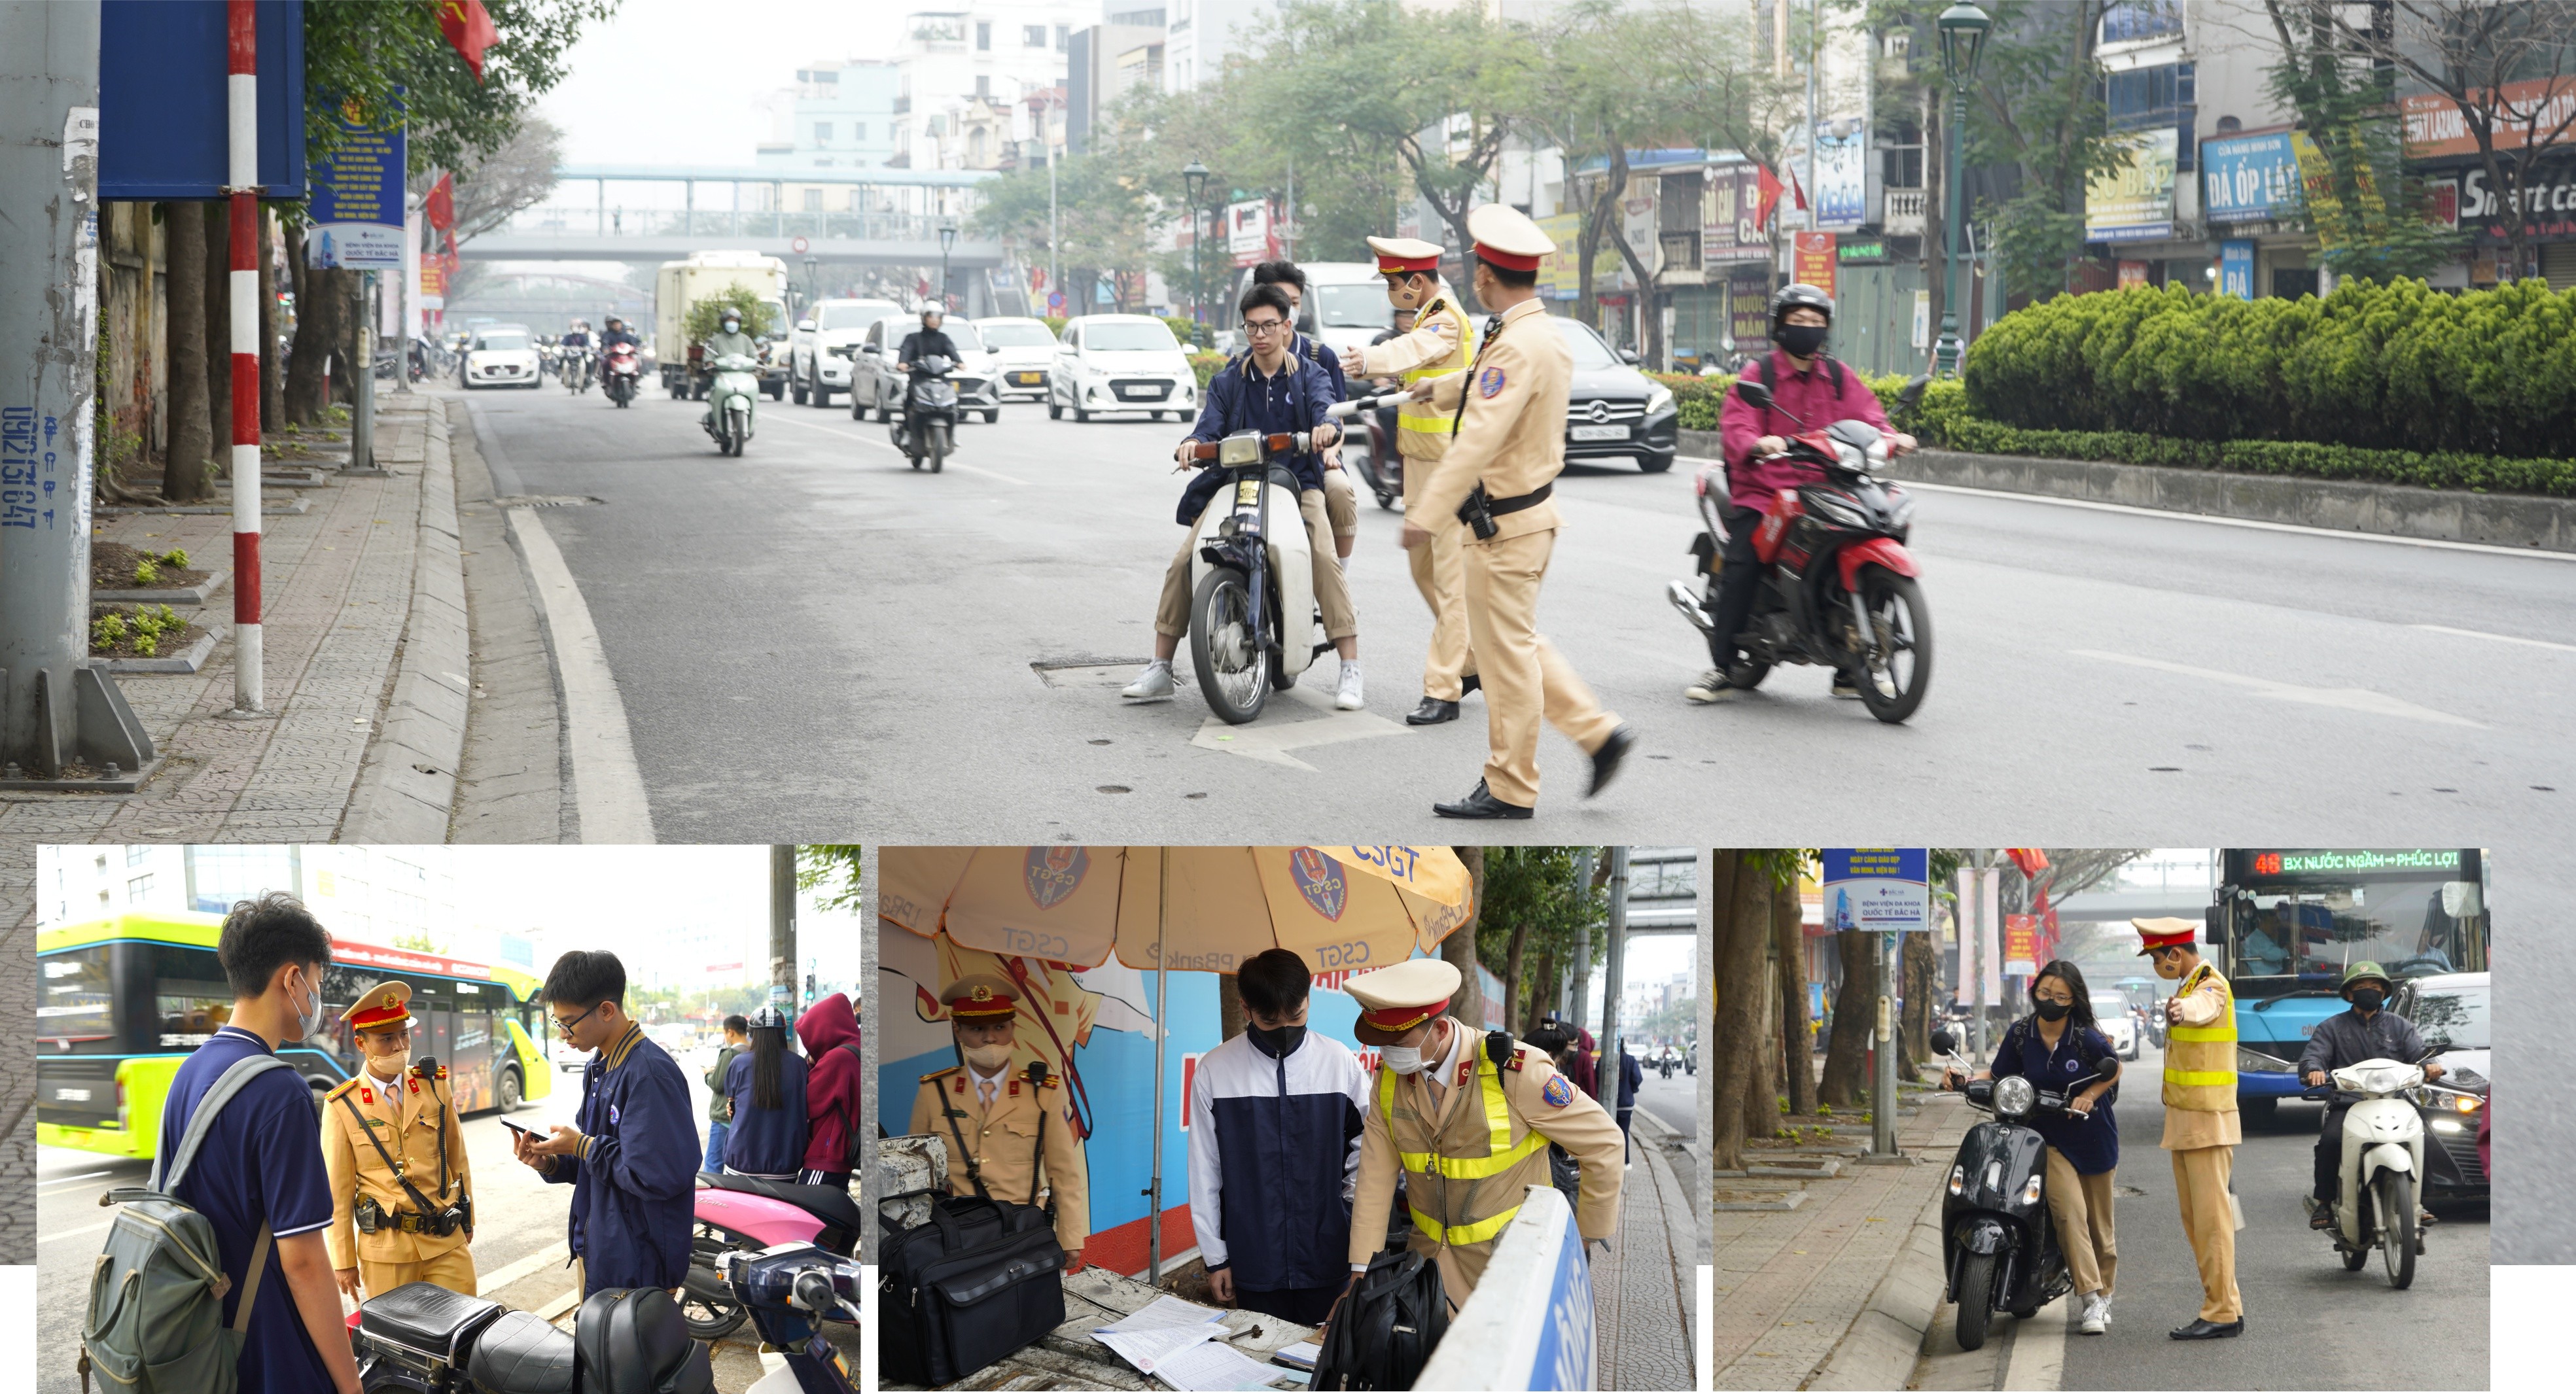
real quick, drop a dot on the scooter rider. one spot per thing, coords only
(2368, 1032)
(1806, 384)
(612, 333)
(1264, 390)
(1438, 341)
(1341, 501)
(926, 340)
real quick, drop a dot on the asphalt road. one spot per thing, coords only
(519, 1231)
(817, 639)
(1675, 1100)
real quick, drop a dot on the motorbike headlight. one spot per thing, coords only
(2255, 1062)
(1837, 509)
(1658, 399)
(2014, 1096)
(2381, 1077)
(1239, 450)
(1958, 1179)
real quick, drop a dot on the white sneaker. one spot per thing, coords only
(1154, 682)
(1709, 687)
(1347, 696)
(2104, 1299)
(2090, 1320)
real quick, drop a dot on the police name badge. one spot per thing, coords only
(1557, 1092)
(1490, 382)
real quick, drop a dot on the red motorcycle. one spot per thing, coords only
(625, 373)
(1838, 587)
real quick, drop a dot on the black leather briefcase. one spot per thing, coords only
(978, 1281)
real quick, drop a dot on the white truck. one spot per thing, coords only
(681, 284)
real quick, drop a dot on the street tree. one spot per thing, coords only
(496, 187)
(1104, 220)
(1600, 94)
(1459, 949)
(1745, 886)
(1533, 907)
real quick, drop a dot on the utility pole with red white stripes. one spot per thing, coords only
(241, 187)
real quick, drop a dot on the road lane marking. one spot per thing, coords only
(2257, 524)
(61, 1181)
(2037, 1356)
(76, 1233)
(888, 445)
(608, 787)
(1270, 744)
(2499, 638)
(2356, 699)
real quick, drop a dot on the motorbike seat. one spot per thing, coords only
(830, 1204)
(522, 1353)
(426, 1318)
(634, 1341)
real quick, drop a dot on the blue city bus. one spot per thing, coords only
(2285, 924)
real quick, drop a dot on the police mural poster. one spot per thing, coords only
(357, 207)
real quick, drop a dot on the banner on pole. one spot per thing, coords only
(357, 207)
(1878, 889)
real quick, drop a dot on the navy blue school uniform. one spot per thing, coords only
(767, 1142)
(1326, 357)
(634, 1186)
(261, 1161)
(2091, 1146)
(1240, 397)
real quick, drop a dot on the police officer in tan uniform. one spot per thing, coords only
(1501, 467)
(1470, 1135)
(388, 1125)
(1439, 342)
(2201, 1124)
(998, 1113)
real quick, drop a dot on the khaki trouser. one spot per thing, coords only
(2209, 1219)
(2081, 1206)
(1524, 678)
(1440, 573)
(1342, 505)
(1332, 592)
(453, 1270)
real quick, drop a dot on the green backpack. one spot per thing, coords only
(156, 1293)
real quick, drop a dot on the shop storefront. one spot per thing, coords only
(2250, 199)
(2445, 152)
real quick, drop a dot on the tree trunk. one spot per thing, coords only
(1744, 914)
(1855, 1013)
(1229, 1008)
(1543, 989)
(1920, 975)
(1459, 948)
(1512, 975)
(219, 331)
(317, 314)
(192, 438)
(1762, 1063)
(272, 376)
(1798, 1049)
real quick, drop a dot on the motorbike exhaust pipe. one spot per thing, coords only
(1687, 601)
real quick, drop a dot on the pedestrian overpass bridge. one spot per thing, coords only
(606, 229)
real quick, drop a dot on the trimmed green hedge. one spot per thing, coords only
(2398, 367)
(1699, 399)
(2436, 470)
(1206, 366)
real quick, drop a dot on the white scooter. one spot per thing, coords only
(729, 399)
(2382, 1168)
(1253, 621)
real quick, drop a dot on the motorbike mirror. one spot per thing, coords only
(1752, 394)
(1944, 1042)
(1913, 392)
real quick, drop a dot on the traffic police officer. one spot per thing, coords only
(1470, 1134)
(1439, 343)
(1501, 467)
(2201, 1126)
(997, 1115)
(401, 1182)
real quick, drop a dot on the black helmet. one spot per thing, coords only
(1799, 297)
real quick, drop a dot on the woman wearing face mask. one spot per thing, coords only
(1274, 1136)
(767, 1086)
(2056, 1045)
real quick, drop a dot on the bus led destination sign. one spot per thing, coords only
(2344, 864)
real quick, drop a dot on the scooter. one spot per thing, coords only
(577, 370)
(1254, 625)
(1372, 453)
(421, 1338)
(1998, 1245)
(2382, 1168)
(1839, 588)
(625, 373)
(729, 402)
(739, 1214)
(791, 1290)
(928, 425)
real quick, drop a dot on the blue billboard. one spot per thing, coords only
(2249, 179)
(2236, 268)
(162, 109)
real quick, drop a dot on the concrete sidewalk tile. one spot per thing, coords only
(1642, 1305)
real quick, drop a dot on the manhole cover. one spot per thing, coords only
(1092, 674)
(544, 500)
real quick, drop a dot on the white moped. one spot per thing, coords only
(1253, 621)
(729, 402)
(2382, 1168)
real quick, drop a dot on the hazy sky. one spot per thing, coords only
(670, 83)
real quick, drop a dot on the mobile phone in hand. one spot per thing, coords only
(531, 1132)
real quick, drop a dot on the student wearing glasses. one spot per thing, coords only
(1269, 390)
(631, 1153)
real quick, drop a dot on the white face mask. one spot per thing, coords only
(1404, 1060)
(308, 1023)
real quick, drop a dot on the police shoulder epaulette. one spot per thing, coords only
(1052, 1080)
(939, 1074)
(342, 1087)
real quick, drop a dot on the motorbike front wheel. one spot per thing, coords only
(938, 448)
(1896, 666)
(1976, 1298)
(2397, 1233)
(708, 1306)
(1232, 666)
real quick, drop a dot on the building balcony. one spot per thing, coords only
(903, 104)
(1904, 213)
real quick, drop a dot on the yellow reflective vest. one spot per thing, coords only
(1462, 1173)
(1422, 431)
(2200, 1061)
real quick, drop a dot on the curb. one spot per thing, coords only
(406, 788)
(2388, 510)
(187, 660)
(166, 595)
(1886, 1339)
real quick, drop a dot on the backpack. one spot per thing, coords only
(1390, 1323)
(156, 1293)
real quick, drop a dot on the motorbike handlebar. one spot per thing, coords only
(1344, 411)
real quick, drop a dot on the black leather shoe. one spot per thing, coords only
(1432, 712)
(1469, 683)
(1605, 761)
(2208, 1330)
(1481, 804)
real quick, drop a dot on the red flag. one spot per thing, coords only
(469, 31)
(440, 206)
(2031, 860)
(1769, 188)
(1797, 190)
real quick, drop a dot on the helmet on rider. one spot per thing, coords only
(930, 316)
(1806, 337)
(2366, 971)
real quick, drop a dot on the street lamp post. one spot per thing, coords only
(1963, 41)
(947, 239)
(813, 281)
(1194, 178)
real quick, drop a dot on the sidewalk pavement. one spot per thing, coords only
(1836, 1292)
(1645, 1288)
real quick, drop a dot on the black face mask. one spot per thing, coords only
(2368, 1000)
(2055, 1011)
(1803, 340)
(1277, 1042)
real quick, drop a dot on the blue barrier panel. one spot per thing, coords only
(162, 112)
(1529, 1323)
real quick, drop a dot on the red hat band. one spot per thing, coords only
(1509, 261)
(1403, 1018)
(1394, 265)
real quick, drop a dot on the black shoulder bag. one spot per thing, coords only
(976, 1282)
(1390, 1321)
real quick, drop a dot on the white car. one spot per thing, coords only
(1120, 363)
(500, 355)
(819, 362)
(1022, 350)
(2111, 1013)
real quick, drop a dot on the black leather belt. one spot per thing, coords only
(1532, 499)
